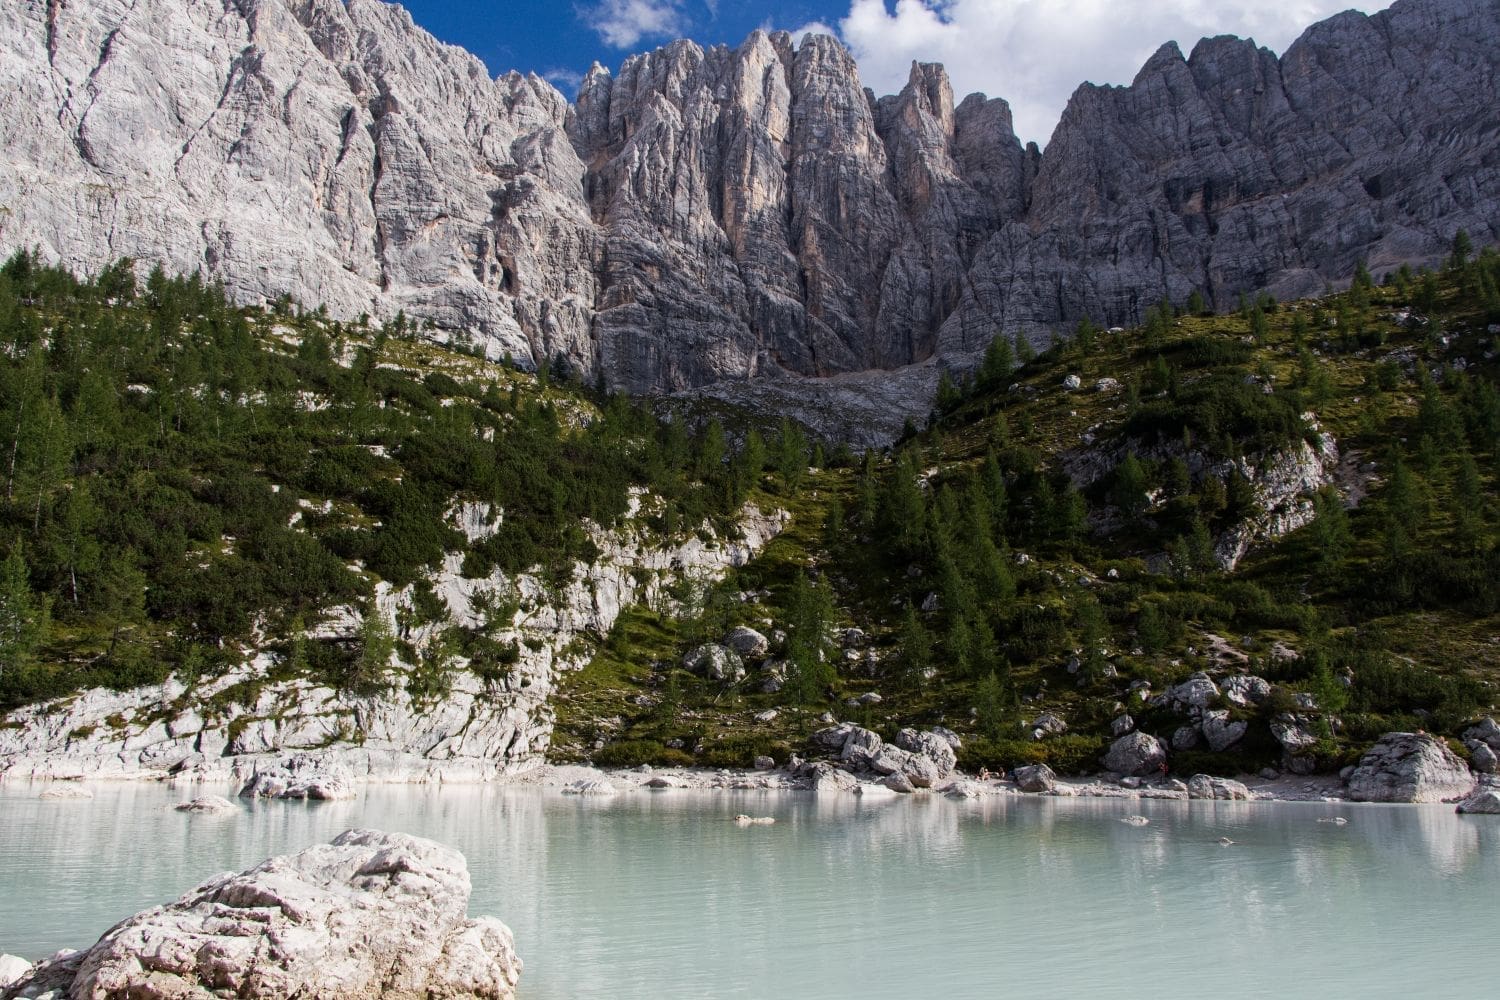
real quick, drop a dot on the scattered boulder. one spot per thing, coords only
(1486, 732)
(931, 746)
(823, 777)
(369, 915)
(1246, 690)
(1197, 692)
(208, 804)
(661, 782)
(1295, 733)
(1035, 778)
(1221, 732)
(769, 715)
(12, 969)
(1409, 767)
(899, 782)
(717, 663)
(1048, 724)
(1185, 738)
(831, 740)
(1072, 382)
(299, 777)
(1486, 802)
(747, 642)
(1135, 754)
(852, 638)
(1121, 725)
(962, 790)
(948, 736)
(764, 763)
(860, 747)
(1203, 786)
(1483, 759)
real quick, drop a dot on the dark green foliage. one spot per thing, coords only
(175, 471)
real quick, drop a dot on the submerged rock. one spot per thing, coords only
(1409, 767)
(210, 804)
(591, 786)
(63, 793)
(370, 915)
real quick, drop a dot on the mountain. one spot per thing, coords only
(716, 215)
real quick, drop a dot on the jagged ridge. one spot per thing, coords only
(721, 214)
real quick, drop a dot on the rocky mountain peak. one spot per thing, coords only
(703, 215)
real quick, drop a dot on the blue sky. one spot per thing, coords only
(1031, 52)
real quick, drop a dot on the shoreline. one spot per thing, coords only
(559, 778)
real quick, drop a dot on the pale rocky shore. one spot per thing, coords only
(368, 915)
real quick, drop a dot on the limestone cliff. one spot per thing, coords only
(730, 214)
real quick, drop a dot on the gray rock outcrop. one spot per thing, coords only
(1035, 778)
(370, 915)
(1410, 767)
(1135, 755)
(716, 215)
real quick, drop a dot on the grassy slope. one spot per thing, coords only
(599, 705)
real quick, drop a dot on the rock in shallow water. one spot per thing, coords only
(209, 804)
(299, 777)
(1487, 802)
(1409, 767)
(370, 915)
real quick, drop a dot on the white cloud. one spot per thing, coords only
(810, 28)
(566, 80)
(1034, 53)
(623, 23)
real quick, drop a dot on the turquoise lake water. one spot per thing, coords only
(659, 895)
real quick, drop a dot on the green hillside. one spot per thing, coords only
(992, 587)
(187, 483)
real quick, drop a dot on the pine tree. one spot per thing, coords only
(24, 616)
(1128, 491)
(989, 706)
(914, 649)
(809, 650)
(999, 359)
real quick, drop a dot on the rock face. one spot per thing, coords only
(727, 214)
(369, 915)
(1410, 767)
(478, 730)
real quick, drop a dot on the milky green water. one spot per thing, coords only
(659, 895)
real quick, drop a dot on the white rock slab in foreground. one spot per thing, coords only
(371, 915)
(11, 969)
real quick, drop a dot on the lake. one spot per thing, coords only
(660, 895)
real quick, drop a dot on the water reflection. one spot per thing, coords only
(659, 894)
